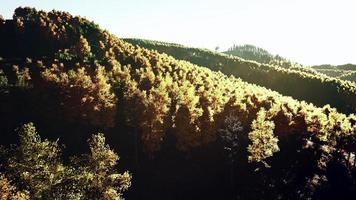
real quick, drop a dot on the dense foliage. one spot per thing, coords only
(34, 170)
(58, 70)
(280, 75)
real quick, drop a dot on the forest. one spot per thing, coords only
(278, 74)
(87, 115)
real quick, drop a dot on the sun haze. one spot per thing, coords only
(308, 32)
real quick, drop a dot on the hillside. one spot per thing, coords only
(343, 72)
(181, 129)
(349, 66)
(251, 52)
(298, 82)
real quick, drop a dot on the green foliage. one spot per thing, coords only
(35, 167)
(264, 143)
(343, 72)
(250, 52)
(36, 162)
(65, 55)
(336, 67)
(253, 53)
(349, 76)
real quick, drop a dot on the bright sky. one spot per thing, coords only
(306, 31)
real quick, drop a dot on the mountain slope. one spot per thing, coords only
(343, 72)
(69, 76)
(298, 82)
(250, 52)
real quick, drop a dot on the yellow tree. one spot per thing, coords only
(157, 104)
(82, 48)
(264, 143)
(90, 97)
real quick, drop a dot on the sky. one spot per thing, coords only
(310, 32)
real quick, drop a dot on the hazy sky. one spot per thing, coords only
(306, 31)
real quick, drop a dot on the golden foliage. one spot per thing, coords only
(264, 143)
(90, 96)
(82, 48)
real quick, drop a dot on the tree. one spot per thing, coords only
(98, 176)
(264, 144)
(90, 95)
(82, 49)
(36, 171)
(231, 135)
(35, 163)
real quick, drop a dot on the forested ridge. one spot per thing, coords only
(251, 52)
(280, 75)
(344, 72)
(177, 125)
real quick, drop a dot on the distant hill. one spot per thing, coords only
(251, 52)
(344, 72)
(299, 82)
(342, 67)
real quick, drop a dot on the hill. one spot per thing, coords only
(178, 126)
(343, 72)
(253, 53)
(250, 52)
(348, 66)
(295, 81)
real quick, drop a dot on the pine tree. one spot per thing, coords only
(264, 143)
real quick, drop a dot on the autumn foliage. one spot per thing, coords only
(81, 74)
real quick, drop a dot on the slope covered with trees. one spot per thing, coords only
(250, 52)
(299, 82)
(173, 119)
(344, 72)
